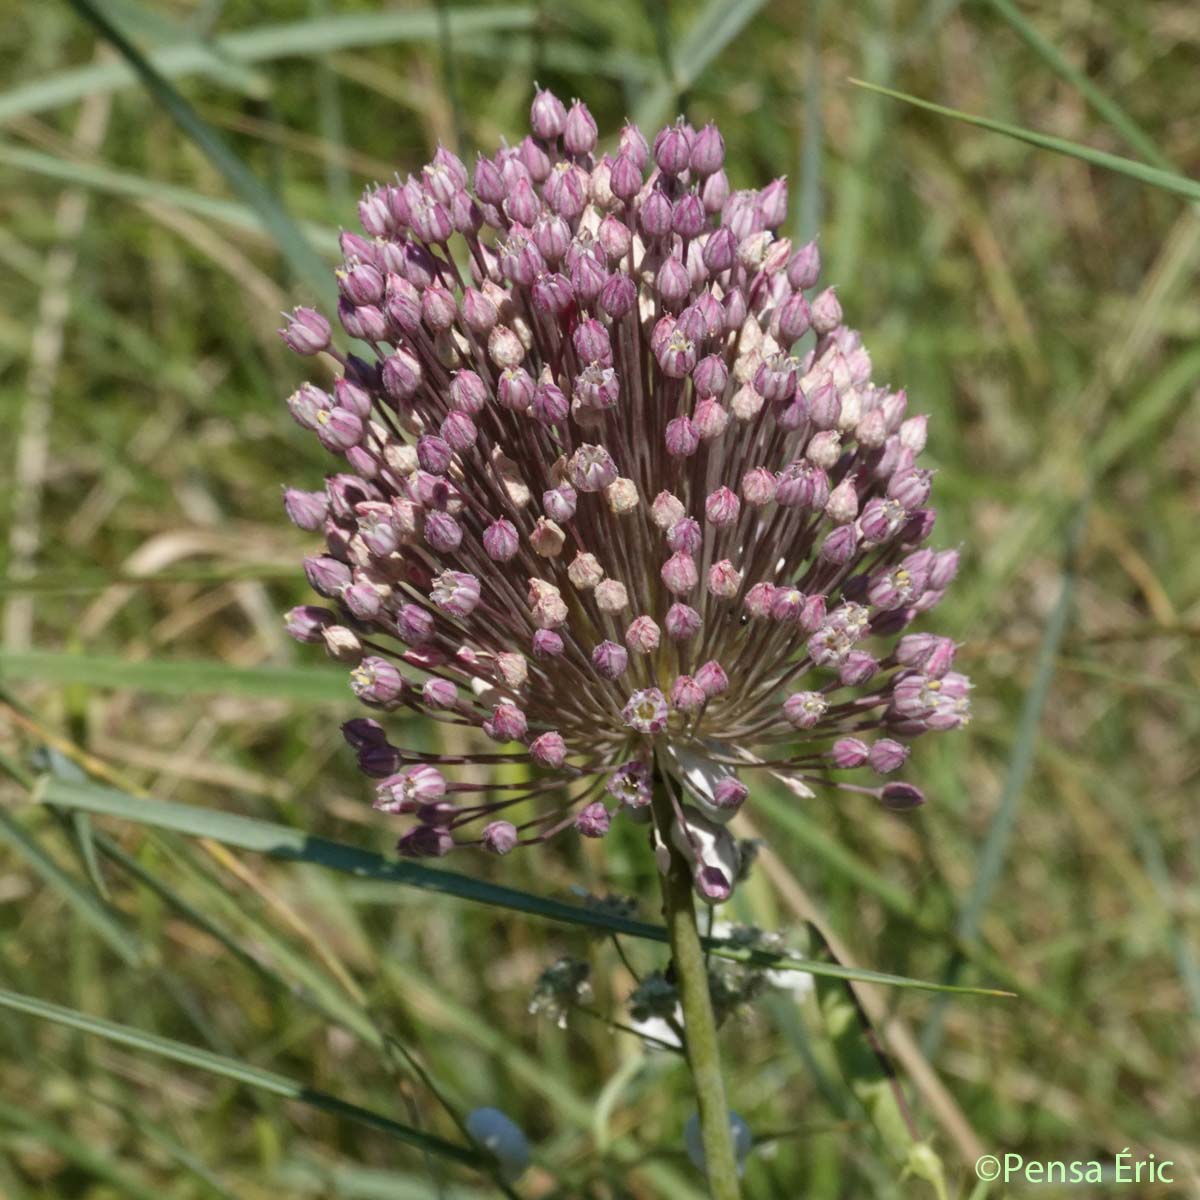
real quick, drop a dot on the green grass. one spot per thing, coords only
(213, 983)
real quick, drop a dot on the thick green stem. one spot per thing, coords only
(700, 1027)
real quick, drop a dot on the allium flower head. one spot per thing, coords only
(595, 501)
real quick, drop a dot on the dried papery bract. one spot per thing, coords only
(596, 501)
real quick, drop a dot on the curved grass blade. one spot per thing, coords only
(716, 26)
(240, 1072)
(94, 1162)
(86, 903)
(137, 187)
(1020, 763)
(304, 261)
(346, 31)
(278, 841)
(1109, 109)
(1168, 181)
(314, 685)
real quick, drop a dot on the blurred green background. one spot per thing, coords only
(1043, 311)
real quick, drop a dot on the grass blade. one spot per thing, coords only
(86, 903)
(1168, 181)
(137, 187)
(327, 35)
(96, 1163)
(1109, 109)
(293, 245)
(1020, 763)
(716, 26)
(313, 685)
(240, 1072)
(294, 845)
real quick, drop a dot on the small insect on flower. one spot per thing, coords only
(592, 501)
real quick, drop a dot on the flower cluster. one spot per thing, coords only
(616, 490)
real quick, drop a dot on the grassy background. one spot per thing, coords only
(1043, 311)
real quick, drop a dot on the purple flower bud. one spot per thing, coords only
(506, 724)
(425, 841)
(456, 593)
(579, 130)
(610, 660)
(515, 389)
(857, 668)
(900, 797)
(773, 204)
(326, 576)
(826, 312)
(407, 790)
(547, 116)
(546, 644)
(548, 749)
(401, 375)
(673, 283)
(439, 693)
(499, 837)
(708, 151)
(805, 267)
(625, 178)
(681, 438)
(730, 794)
(536, 161)
(414, 625)
(760, 599)
(306, 622)
(618, 296)
(848, 753)
(550, 406)
(500, 540)
(306, 332)
(685, 535)
(339, 429)
(720, 251)
(688, 218)
(442, 532)
(840, 546)
(560, 503)
(687, 695)
(521, 205)
(943, 569)
(552, 294)
(673, 149)
(306, 510)
(712, 678)
(715, 192)
(759, 486)
(593, 820)
(722, 507)
(377, 681)
(910, 488)
(656, 214)
(682, 622)
(794, 318)
(679, 573)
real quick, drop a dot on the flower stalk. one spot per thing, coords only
(700, 1026)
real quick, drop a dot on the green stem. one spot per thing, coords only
(700, 1027)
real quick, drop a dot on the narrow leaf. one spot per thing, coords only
(717, 25)
(308, 684)
(1167, 180)
(230, 1068)
(326, 35)
(278, 841)
(292, 243)
(86, 903)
